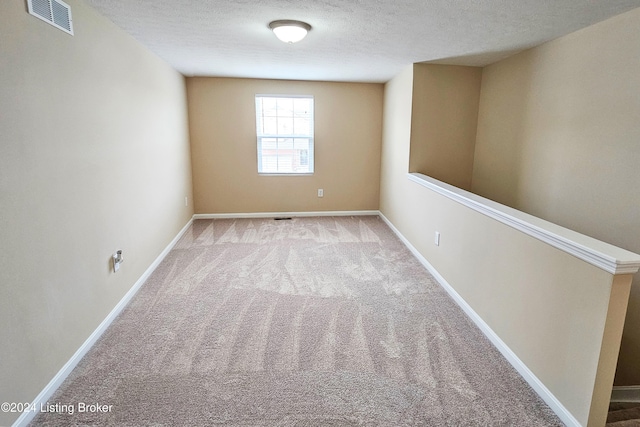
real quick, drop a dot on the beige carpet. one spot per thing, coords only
(623, 415)
(307, 322)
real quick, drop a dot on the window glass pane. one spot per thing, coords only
(285, 125)
(269, 144)
(269, 106)
(269, 164)
(303, 155)
(302, 126)
(285, 144)
(301, 144)
(285, 163)
(302, 107)
(270, 126)
(285, 107)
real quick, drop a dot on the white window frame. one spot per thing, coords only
(292, 137)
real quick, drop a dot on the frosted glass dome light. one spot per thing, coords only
(290, 31)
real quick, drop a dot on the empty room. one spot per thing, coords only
(328, 213)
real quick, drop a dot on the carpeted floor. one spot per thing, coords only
(623, 415)
(308, 322)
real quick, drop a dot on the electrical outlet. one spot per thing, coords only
(186, 201)
(320, 192)
(437, 238)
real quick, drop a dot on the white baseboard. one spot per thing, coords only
(511, 357)
(626, 394)
(63, 373)
(284, 214)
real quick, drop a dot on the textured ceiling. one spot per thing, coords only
(351, 40)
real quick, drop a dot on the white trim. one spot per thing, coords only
(285, 214)
(626, 394)
(556, 406)
(603, 255)
(285, 174)
(282, 95)
(63, 373)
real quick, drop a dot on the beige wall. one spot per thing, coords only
(396, 143)
(94, 157)
(526, 296)
(444, 121)
(558, 137)
(223, 143)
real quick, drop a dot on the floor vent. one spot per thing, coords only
(55, 12)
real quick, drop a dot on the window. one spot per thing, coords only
(285, 134)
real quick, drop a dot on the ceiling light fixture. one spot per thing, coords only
(290, 31)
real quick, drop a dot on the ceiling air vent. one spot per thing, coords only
(55, 12)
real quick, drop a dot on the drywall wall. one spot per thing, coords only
(551, 309)
(222, 123)
(443, 122)
(396, 143)
(94, 157)
(558, 134)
